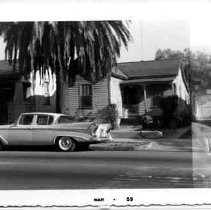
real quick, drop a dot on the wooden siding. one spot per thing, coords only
(100, 95)
(35, 101)
(15, 109)
(70, 97)
(181, 90)
(116, 96)
(40, 105)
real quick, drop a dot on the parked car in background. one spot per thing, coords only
(33, 129)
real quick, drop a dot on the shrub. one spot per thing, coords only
(146, 121)
(150, 122)
(112, 115)
(81, 116)
(168, 105)
(182, 114)
(176, 113)
(109, 115)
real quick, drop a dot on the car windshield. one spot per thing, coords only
(26, 119)
(65, 119)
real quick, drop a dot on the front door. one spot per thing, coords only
(131, 99)
(41, 134)
(3, 107)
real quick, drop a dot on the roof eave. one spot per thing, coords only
(119, 76)
(152, 76)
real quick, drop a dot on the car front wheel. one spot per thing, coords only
(66, 143)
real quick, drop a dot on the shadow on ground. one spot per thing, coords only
(175, 138)
(41, 148)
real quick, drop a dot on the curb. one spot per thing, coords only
(121, 146)
(136, 146)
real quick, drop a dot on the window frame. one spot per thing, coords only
(25, 87)
(24, 115)
(48, 119)
(46, 89)
(81, 91)
(174, 89)
(65, 116)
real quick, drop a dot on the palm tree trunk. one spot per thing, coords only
(59, 79)
(58, 88)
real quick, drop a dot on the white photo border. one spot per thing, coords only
(18, 10)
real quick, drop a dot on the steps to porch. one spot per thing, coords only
(132, 121)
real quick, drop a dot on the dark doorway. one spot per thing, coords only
(6, 95)
(130, 95)
(3, 107)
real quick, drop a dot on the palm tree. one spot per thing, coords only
(86, 48)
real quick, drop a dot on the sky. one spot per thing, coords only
(155, 24)
(147, 37)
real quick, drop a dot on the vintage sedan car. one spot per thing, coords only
(51, 129)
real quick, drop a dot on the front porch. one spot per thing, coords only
(141, 98)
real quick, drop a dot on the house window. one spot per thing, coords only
(44, 119)
(180, 92)
(26, 91)
(65, 119)
(46, 93)
(86, 96)
(174, 89)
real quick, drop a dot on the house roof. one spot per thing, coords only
(153, 68)
(148, 80)
(5, 67)
(128, 70)
(7, 71)
(119, 74)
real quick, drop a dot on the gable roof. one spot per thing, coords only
(127, 70)
(140, 69)
(118, 73)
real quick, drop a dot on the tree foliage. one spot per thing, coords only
(196, 67)
(86, 48)
(196, 60)
(68, 49)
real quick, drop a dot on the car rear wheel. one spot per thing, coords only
(66, 143)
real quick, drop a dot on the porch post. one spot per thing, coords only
(145, 98)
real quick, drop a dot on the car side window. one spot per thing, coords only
(65, 119)
(44, 119)
(50, 120)
(26, 120)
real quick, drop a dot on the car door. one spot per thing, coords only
(21, 133)
(41, 134)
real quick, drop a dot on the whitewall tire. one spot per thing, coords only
(66, 143)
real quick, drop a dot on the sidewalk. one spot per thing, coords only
(131, 140)
(141, 145)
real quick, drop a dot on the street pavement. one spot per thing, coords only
(201, 138)
(48, 169)
(121, 163)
